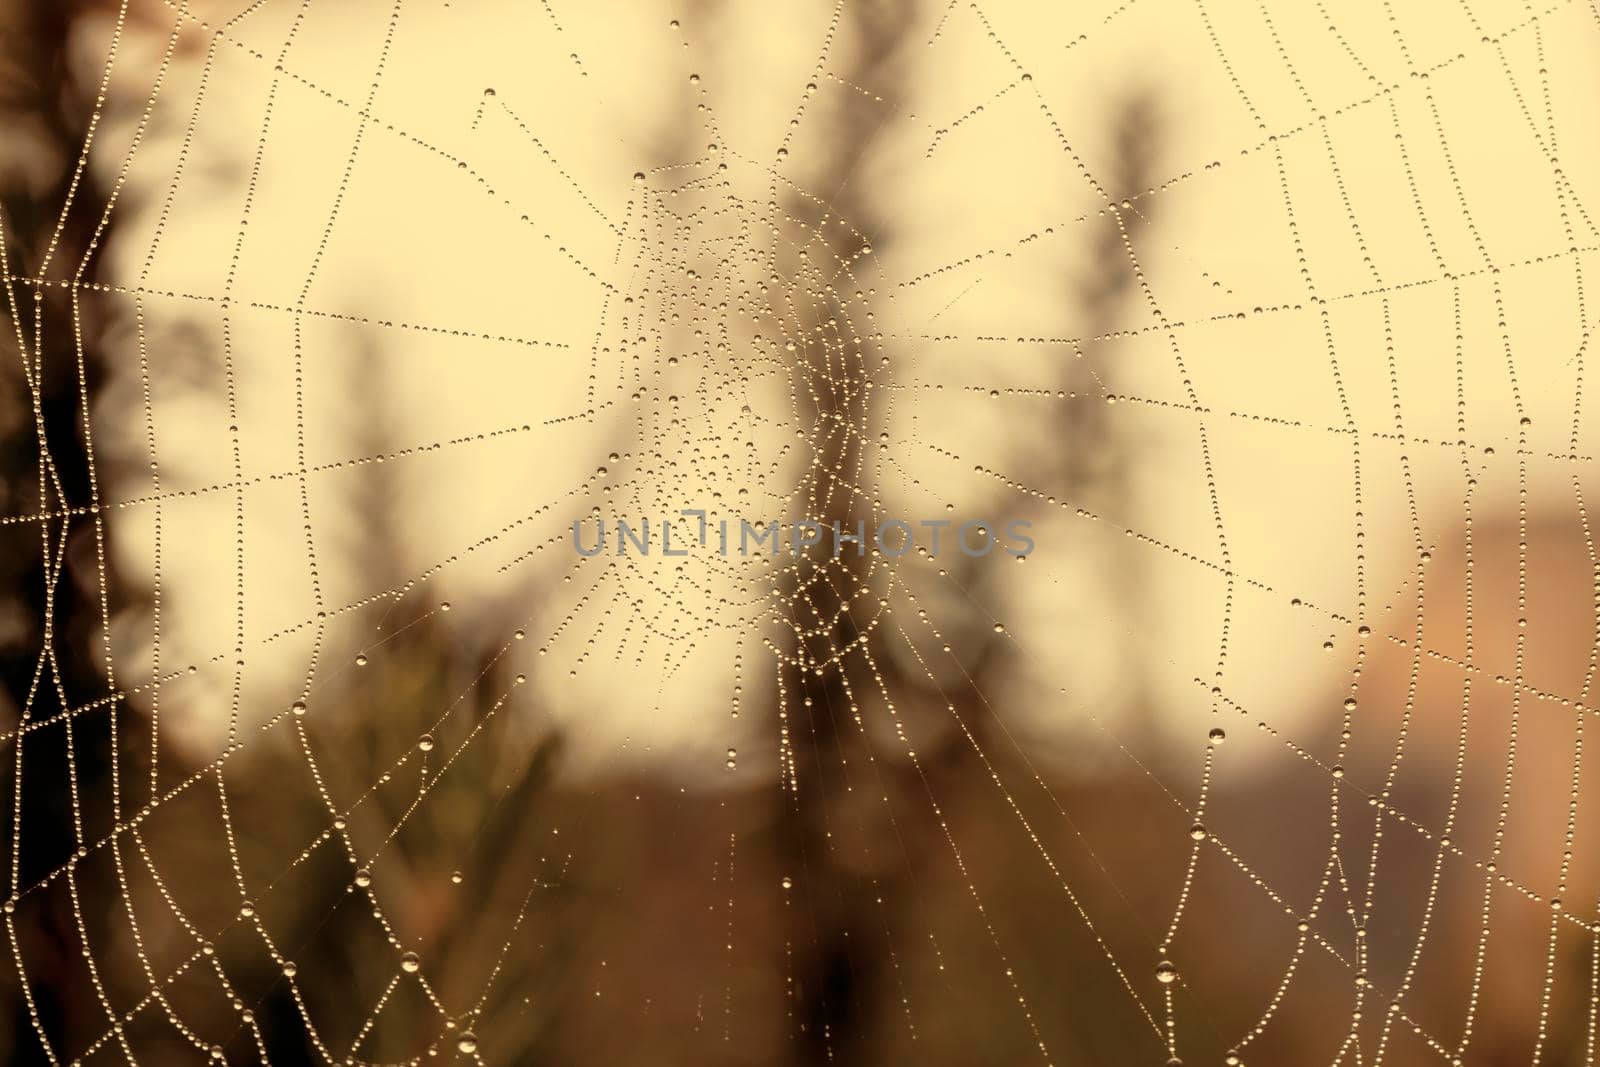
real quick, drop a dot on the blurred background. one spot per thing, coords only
(326, 321)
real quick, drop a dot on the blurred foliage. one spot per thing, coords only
(877, 908)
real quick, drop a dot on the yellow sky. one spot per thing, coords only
(462, 290)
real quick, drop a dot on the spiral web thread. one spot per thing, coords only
(786, 289)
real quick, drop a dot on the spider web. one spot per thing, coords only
(1272, 321)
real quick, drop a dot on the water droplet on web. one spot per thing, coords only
(425, 742)
(467, 1042)
(1166, 973)
(1217, 735)
(410, 963)
(1198, 831)
(363, 877)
